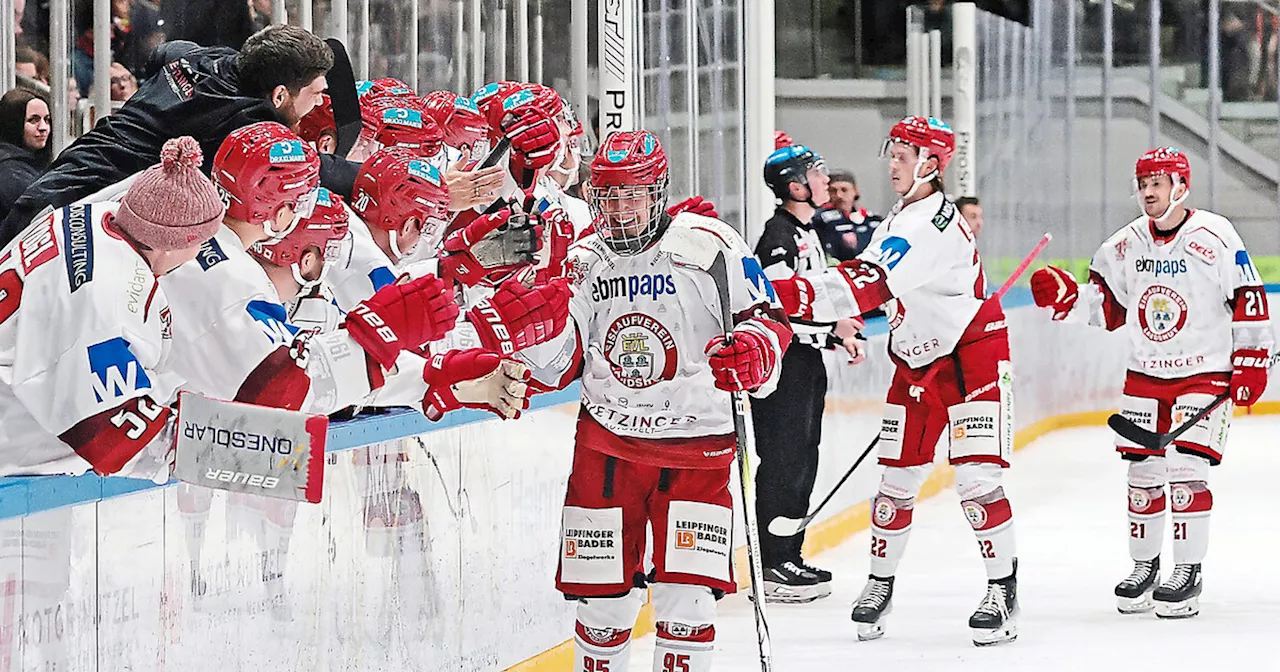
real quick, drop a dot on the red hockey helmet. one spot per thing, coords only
(263, 167)
(323, 230)
(1164, 161)
(318, 121)
(463, 125)
(402, 122)
(930, 136)
(628, 190)
(369, 90)
(394, 185)
(488, 100)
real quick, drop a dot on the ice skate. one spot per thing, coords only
(996, 620)
(1179, 597)
(792, 583)
(1133, 595)
(875, 602)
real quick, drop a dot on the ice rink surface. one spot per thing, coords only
(1069, 497)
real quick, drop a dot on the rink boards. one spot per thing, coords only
(435, 546)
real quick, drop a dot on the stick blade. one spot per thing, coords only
(690, 247)
(785, 527)
(1125, 428)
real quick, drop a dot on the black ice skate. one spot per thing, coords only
(996, 620)
(1179, 597)
(875, 602)
(1133, 595)
(792, 583)
(823, 575)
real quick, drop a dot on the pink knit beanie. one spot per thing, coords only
(173, 205)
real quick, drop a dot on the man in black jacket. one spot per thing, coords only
(204, 92)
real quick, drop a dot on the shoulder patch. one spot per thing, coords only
(210, 254)
(831, 216)
(77, 235)
(1202, 252)
(945, 214)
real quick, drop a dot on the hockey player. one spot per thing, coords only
(319, 128)
(400, 121)
(1180, 283)
(655, 438)
(85, 330)
(923, 263)
(788, 424)
(465, 129)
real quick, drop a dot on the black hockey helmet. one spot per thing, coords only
(787, 165)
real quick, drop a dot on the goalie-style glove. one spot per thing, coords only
(490, 249)
(534, 139)
(1055, 288)
(744, 363)
(796, 296)
(695, 204)
(516, 317)
(402, 317)
(1248, 375)
(475, 378)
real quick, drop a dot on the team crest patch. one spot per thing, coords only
(884, 511)
(976, 514)
(1139, 500)
(640, 350)
(1180, 496)
(575, 269)
(1162, 313)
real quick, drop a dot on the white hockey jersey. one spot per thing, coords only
(1187, 301)
(362, 267)
(638, 328)
(84, 332)
(923, 266)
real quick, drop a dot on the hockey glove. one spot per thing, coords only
(493, 247)
(781, 139)
(558, 228)
(1055, 288)
(796, 296)
(1248, 376)
(744, 363)
(475, 378)
(534, 139)
(695, 204)
(402, 317)
(516, 317)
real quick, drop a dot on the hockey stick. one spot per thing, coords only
(742, 431)
(786, 527)
(342, 94)
(1152, 440)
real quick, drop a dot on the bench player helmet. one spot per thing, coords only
(263, 167)
(488, 100)
(368, 91)
(318, 121)
(323, 230)
(791, 164)
(465, 128)
(394, 185)
(402, 122)
(628, 191)
(931, 137)
(1164, 161)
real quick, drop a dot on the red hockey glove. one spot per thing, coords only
(695, 204)
(743, 364)
(781, 139)
(796, 296)
(534, 139)
(1055, 288)
(558, 228)
(1248, 376)
(494, 246)
(402, 317)
(475, 378)
(516, 317)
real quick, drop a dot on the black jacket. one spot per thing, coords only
(184, 90)
(19, 167)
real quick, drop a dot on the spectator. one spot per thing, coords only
(204, 92)
(209, 23)
(260, 10)
(19, 8)
(33, 64)
(844, 227)
(24, 143)
(123, 83)
(971, 210)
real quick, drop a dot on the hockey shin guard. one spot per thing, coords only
(1146, 508)
(1191, 501)
(891, 512)
(602, 635)
(686, 636)
(988, 512)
